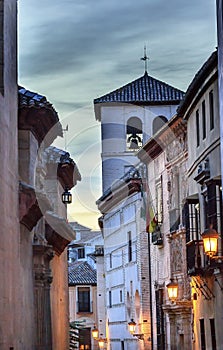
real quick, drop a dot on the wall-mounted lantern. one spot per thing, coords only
(132, 328)
(172, 289)
(210, 240)
(95, 332)
(101, 342)
(66, 197)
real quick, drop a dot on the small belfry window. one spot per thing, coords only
(133, 134)
(158, 123)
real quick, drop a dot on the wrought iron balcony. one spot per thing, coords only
(157, 237)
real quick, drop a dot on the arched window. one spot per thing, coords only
(158, 122)
(133, 134)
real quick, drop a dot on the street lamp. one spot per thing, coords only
(66, 197)
(210, 240)
(132, 328)
(172, 289)
(94, 332)
(101, 343)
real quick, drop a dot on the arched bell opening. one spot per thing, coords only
(134, 134)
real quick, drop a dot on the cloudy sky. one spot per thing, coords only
(73, 51)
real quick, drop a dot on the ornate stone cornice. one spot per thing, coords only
(118, 194)
(174, 130)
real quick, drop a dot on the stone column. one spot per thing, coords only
(42, 254)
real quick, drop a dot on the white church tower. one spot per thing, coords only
(129, 116)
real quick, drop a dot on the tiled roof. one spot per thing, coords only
(145, 89)
(57, 155)
(29, 99)
(80, 272)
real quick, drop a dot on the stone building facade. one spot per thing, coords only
(166, 158)
(34, 230)
(10, 289)
(203, 205)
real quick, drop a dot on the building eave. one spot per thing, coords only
(119, 193)
(202, 80)
(156, 144)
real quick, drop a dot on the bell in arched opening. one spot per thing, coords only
(134, 134)
(135, 142)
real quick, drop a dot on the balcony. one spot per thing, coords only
(195, 258)
(157, 237)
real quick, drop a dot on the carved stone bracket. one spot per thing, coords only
(58, 232)
(30, 210)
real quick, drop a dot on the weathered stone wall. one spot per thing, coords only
(10, 290)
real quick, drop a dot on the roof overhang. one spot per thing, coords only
(202, 80)
(175, 128)
(118, 193)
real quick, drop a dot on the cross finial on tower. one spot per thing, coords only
(145, 58)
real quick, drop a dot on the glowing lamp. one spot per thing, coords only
(101, 343)
(132, 326)
(172, 289)
(210, 240)
(94, 332)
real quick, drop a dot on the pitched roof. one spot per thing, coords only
(80, 272)
(145, 89)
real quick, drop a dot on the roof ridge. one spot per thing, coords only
(143, 89)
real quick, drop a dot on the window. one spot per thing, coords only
(213, 335)
(130, 246)
(202, 334)
(204, 119)
(211, 109)
(191, 219)
(158, 122)
(81, 253)
(83, 302)
(159, 200)
(133, 134)
(120, 296)
(198, 128)
(110, 260)
(213, 205)
(110, 298)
